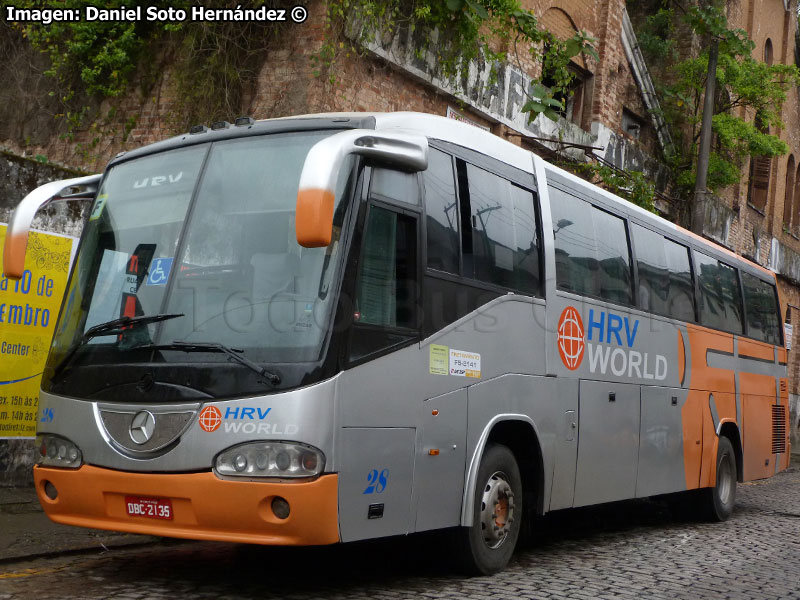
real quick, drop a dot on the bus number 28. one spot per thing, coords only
(376, 481)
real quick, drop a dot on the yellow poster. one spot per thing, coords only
(28, 313)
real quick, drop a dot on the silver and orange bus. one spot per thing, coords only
(336, 327)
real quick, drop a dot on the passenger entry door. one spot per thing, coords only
(608, 442)
(386, 296)
(378, 400)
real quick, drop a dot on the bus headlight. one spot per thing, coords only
(56, 451)
(270, 459)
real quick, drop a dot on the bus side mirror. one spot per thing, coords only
(16, 244)
(315, 196)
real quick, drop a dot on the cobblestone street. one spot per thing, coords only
(629, 550)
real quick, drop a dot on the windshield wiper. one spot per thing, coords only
(113, 327)
(234, 353)
(116, 326)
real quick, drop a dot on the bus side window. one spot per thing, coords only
(651, 264)
(386, 288)
(527, 260)
(665, 276)
(614, 257)
(720, 299)
(441, 206)
(592, 254)
(681, 290)
(503, 232)
(576, 264)
(761, 310)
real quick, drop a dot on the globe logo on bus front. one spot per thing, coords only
(210, 418)
(570, 338)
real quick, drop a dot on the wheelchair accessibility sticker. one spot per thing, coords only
(159, 271)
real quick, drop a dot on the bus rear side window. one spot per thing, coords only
(592, 255)
(665, 277)
(719, 301)
(761, 310)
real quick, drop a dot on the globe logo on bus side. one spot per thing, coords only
(570, 338)
(210, 418)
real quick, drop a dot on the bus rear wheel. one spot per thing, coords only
(718, 502)
(487, 546)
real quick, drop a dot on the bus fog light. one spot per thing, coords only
(280, 507)
(50, 490)
(56, 451)
(283, 460)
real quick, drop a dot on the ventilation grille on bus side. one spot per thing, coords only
(778, 429)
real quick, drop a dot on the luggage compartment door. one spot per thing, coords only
(608, 442)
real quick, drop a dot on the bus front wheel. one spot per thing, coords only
(487, 546)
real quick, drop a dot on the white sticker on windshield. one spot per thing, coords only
(98, 207)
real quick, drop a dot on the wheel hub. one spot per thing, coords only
(497, 510)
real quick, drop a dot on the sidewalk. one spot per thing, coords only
(26, 532)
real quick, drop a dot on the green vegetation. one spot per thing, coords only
(463, 30)
(631, 185)
(747, 103)
(212, 62)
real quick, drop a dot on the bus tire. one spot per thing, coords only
(487, 546)
(720, 499)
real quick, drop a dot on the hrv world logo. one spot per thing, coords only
(242, 419)
(609, 341)
(570, 338)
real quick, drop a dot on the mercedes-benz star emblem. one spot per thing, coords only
(142, 427)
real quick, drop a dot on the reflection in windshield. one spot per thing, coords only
(208, 232)
(244, 280)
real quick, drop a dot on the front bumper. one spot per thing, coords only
(204, 506)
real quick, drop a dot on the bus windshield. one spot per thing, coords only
(204, 235)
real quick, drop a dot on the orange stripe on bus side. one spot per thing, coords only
(754, 349)
(700, 438)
